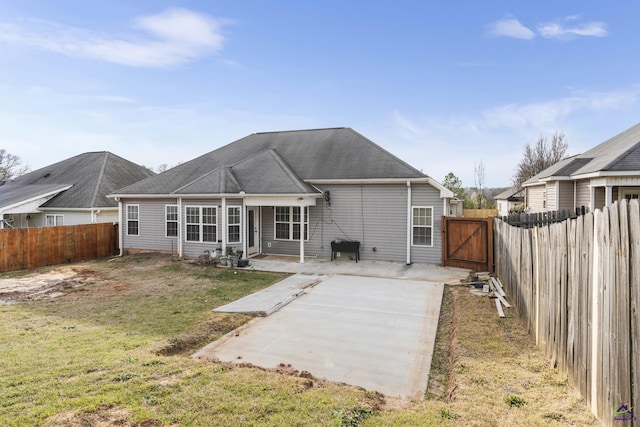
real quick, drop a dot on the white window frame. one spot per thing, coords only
(630, 191)
(168, 221)
(131, 219)
(291, 223)
(201, 224)
(237, 224)
(414, 225)
(57, 220)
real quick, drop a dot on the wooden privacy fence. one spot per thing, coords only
(27, 248)
(576, 285)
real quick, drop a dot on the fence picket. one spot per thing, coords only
(28, 248)
(576, 285)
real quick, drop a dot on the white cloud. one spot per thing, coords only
(554, 30)
(496, 135)
(170, 38)
(510, 27)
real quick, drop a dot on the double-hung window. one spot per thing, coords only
(201, 224)
(233, 224)
(171, 218)
(287, 223)
(422, 226)
(54, 220)
(133, 220)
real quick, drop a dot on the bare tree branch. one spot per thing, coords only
(540, 156)
(10, 166)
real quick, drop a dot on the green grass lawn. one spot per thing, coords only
(115, 351)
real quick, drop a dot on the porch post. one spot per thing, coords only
(608, 195)
(592, 198)
(301, 230)
(180, 227)
(243, 227)
(223, 231)
(409, 222)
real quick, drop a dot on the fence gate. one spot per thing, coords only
(467, 243)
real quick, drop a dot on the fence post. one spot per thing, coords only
(537, 275)
(595, 309)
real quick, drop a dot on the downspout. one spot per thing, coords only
(408, 222)
(180, 227)
(121, 228)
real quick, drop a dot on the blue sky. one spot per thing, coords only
(442, 85)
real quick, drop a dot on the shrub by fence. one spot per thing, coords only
(27, 248)
(576, 285)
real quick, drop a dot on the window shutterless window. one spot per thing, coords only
(422, 226)
(201, 224)
(171, 218)
(133, 220)
(54, 220)
(233, 224)
(287, 223)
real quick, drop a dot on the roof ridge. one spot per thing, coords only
(301, 130)
(100, 178)
(393, 156)
(196, 180)
(287, 169)
(621, 156)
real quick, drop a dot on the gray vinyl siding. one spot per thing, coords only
(551, 196)
(425, 195)
(151, 226)
(535, 198)
(375, 215)
(566, 195)
(72, 217)
(583, 197)
(195, 249)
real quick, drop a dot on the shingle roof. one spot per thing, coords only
(619, 153)
(280, 162)
(91, 175)
(509, 193)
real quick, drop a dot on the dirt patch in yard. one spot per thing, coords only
(49, 284)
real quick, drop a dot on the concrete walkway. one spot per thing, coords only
(374, 332)
(392, 270)
(273, 298)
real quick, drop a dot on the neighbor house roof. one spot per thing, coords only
(82, 181)
(510, 194)
(619, 153)
(279, 163)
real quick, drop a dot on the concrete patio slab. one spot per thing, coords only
(271, 299)
(392, 270)
(375, 333)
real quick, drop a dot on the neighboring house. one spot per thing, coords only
(509, 199)
(608, 172)
(262, 193)
(69, 192)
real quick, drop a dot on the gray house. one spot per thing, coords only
(594, 179)
(289, 193)
(73, 191)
